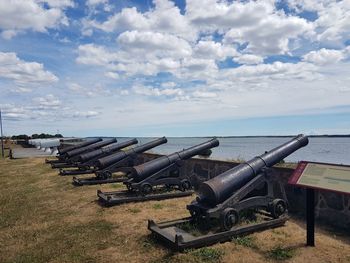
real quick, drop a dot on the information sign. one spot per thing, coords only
(324, 176)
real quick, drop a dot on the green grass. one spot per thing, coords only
(158, 206)
(68, 243)
(207, 254)
(34, 209)
(193, 229)
(280, 253)
(246, 241)
(148, 242)
(280, 233)
(6, 153)
(117, 186)
(134, 210)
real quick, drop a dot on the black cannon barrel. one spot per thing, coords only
(83, 144)
(90, 147)
(219, 188)
(116, 157)
(140, 172)
(105, 150)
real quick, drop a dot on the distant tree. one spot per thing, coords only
(35, 136)
(20, 137)
(42, 135)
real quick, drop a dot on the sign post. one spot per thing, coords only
(2, 139)
(323, 176)
(310, 217)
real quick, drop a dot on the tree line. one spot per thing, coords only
(36, 136)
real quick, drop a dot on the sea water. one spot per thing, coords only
(320, 149)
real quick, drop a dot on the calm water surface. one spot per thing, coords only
(332, 150)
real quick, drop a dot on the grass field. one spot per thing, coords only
(43, 218)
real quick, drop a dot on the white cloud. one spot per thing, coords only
(249, 59)
(120, 62)
(153, 43)
(274, 71)
(196, 47)
(85, 114)
(324, 56)
(333, 22)
(193, 68)
(96, 2)
(47, 102)
(168, 84)
(213, 15)
(214, 50)
(149, 91)
(127, 19)
(90, 92)
(124, 92)
(164, 18)
(91, 54)
(13, 112)
(65, 40)
(8, 34)
(22, 72)
(112, 75)
(58, 3)
(308, 5)
(22, 90)
(20, 15)
(75, 87)
(271, 35)
(204, 94)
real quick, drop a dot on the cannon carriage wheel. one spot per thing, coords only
(277, 208)
(108, 174)
(185, 184)
(228, 219)
(146, 188)
(105, 174)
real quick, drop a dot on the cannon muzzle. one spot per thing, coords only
(90, 147)
(116, 157)
(140, 172)
(83, 144)
(219, 188)
(105, 150)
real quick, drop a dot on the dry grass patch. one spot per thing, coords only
(44, 218)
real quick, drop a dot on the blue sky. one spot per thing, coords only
(183, 68)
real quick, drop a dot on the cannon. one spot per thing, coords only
(224, 199)
(62, 151)
(106, 166)
(71, 157)
(145, 181)
(88, 142)
(86, 161)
